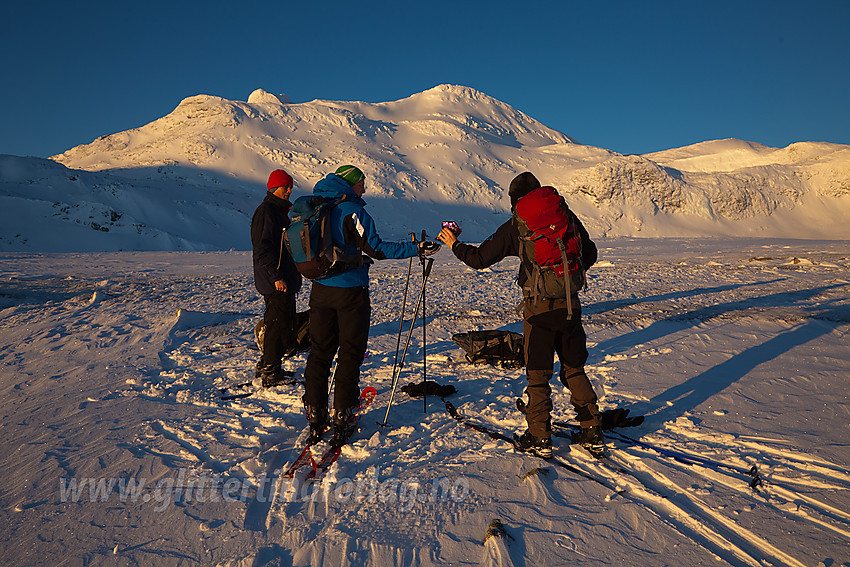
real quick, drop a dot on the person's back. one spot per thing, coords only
(354, 230)
(550, 325)
(340, 309)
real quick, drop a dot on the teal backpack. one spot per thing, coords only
(309, 240)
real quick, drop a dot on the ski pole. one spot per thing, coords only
(333, 375)
(430, 262)
(424, 339)
(403, 305)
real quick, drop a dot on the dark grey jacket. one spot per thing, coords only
(272, 261)
(505, 242)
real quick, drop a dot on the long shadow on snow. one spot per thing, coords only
(605, 306)
(685, 397)
(662, 328)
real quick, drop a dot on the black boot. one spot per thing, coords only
(317, 418)
(344, 425)
(273, 375)
(591, 439)
(528, 443)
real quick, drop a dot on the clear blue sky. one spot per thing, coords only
(630, 76)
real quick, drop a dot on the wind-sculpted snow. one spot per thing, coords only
(119, 446)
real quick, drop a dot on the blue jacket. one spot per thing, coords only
(352, 228)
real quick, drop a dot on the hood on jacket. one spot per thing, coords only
(334, 187)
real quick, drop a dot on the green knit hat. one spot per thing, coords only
(350, 174)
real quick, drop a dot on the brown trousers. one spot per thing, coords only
(546, 332)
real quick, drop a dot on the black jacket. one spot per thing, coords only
(272, 261)
(505, 242)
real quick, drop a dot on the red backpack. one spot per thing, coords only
(549, 242)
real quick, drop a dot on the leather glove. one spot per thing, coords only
(427, 248)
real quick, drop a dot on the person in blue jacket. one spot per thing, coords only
(339, 306)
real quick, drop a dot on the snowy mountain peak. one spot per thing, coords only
(453, 96)
(469, 107)
(260, 96)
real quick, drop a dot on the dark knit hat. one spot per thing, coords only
(522, 185)
(350, 174)
(279, 178)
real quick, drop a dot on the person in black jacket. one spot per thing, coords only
(275, 277)
(547, 329)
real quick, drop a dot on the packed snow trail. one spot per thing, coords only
(658, 494)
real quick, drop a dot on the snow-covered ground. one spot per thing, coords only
(736, 350)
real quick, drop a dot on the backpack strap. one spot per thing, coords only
(532, 276)
(567, 278)
(284, 238)
(340, 260)
(305, 227)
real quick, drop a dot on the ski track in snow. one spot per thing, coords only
(735, 352)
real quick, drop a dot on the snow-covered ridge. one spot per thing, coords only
(730, 155)
(197, 173)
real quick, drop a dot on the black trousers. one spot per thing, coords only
(339, 320)
(279, 319)
(545, 334)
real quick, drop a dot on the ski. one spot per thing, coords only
(226, 396)
(303, 460)
(498, 435)
(755, 478)
(571, 430)
(598, 454)
(319, 466)
(609, 419)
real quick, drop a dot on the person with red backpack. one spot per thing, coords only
(555, 251)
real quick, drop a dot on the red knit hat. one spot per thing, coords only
(279, 178)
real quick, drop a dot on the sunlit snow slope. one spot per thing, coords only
(191, 179)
